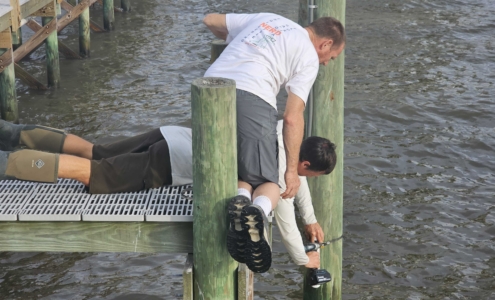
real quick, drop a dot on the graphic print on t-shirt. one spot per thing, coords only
(266, 33)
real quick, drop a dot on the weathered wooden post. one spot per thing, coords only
(8, 101)
(16, 38)
(327, 191)
(125, 5)
(108, 15)
(215, 183)
(217, 47)
(84, 33)
(48, 14)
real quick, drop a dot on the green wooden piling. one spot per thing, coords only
(84, 33)
(8, 96)
(126, 5)
(187, 279)
(52, 57)
(327, 191)
(16, 38)
(217, 47)
(8, 101)
(108, 15)
(215, 183)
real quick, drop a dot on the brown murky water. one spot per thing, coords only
(419, 213)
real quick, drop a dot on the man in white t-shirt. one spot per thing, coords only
(267, 51)
(159, 157)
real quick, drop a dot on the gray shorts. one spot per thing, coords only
(257, 145)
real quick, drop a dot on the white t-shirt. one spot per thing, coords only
(179, 140)
(266, 51)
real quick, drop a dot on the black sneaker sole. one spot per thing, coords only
(236, 236)
(258, 253)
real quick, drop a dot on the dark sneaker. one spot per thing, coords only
(236, 236)
(258, 251)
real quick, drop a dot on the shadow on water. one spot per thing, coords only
(419, 216)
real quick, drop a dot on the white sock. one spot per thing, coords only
(244, 192)
(265, 203)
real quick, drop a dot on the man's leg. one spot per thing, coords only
(74, 145)
(73, 167)
(132, 172)
(30, 136)
(257, 151)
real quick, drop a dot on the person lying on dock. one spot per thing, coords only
(157, 158)
(265, 52)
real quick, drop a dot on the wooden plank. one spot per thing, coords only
(245, 283)
(35, 41)
(148, 237)
(28, 79)
(15, 15)
(95, 27)
(49, 10)
(5, 39)
(188, 279)
(4, 18)
(31, 6)
(73, 13)
(64, 49)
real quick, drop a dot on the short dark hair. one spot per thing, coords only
(320, 153)
(328, 27)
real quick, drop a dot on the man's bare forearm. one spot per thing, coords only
(217, 24)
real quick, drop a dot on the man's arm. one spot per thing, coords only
(305, 205)
(293, 133)
(291, 237)
(217, 24)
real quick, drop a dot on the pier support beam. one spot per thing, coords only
(52, 57)
(16, 38)
(126, 5)
(108, 15)
(327, 191)
(84, 33)
(8, 96)
(215, 183)
(217, 47)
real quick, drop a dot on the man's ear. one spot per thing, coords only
(306, 164)
(329, 42)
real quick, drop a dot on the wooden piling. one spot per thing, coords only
(84, 33)
(52, 57)
(8, 96)
(108, 15)
(16, 38)
(327, 191)
(215, 183)
(217, 47)
(126, 5)
(187, 279)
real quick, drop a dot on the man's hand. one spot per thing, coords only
(314, 260)
(314, 232)
(292, 183)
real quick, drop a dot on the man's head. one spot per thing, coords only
(328, 37)
(316, 157)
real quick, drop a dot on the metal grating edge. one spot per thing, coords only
(13, 195)
(170, 204)
(63, 201)
(122, 207)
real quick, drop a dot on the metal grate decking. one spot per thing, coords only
(68, 201)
